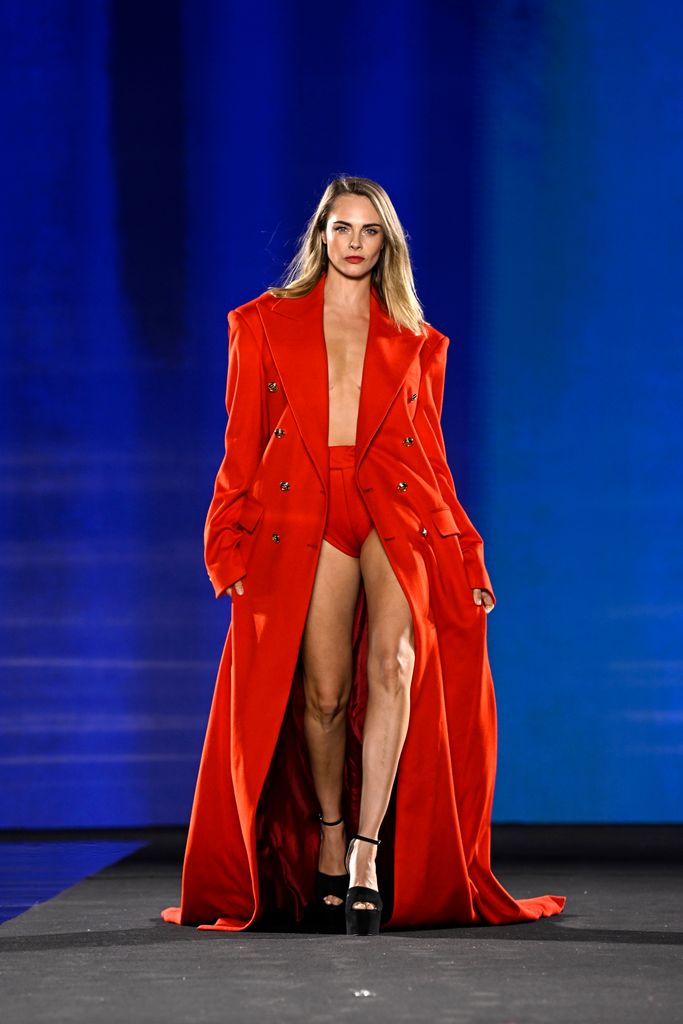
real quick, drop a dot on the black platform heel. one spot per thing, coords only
(330, 915)
(362, 921)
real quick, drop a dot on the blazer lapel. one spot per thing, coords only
(294, 329)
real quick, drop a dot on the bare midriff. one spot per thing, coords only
(345, 341)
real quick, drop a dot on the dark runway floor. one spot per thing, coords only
(98, 951)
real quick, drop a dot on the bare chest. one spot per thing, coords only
(345, 341)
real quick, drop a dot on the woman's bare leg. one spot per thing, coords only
(327, 667)
(391, 659)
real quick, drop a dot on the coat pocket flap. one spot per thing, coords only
(250, 513)
(444, 520)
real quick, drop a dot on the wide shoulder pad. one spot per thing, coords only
(250, 310)
(435, 339)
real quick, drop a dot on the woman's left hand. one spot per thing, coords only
(483, 597)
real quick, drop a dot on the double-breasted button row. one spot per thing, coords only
(407, 441)
(278, 432)
(402, 484)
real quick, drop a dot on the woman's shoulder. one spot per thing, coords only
(249, 313)
(434, 334)
(250, 309)
(434, 339)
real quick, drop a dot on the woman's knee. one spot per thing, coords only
(390, 664)
(325, 701)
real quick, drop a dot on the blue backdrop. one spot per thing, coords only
(159, 163)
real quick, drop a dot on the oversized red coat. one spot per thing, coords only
(254, 834)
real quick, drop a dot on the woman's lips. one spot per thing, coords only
(354, 259)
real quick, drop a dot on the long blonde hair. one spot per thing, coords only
(392, 275)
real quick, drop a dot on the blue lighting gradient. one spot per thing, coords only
(160, 162)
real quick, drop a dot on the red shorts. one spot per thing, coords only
(348, 520)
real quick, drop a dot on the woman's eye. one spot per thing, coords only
(342, 227)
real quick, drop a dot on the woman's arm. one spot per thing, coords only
(246, 437)
(428, 425)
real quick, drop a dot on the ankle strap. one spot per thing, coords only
(323, 822)
(367, 839)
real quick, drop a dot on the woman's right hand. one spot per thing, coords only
(239, 587)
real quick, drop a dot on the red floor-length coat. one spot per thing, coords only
(254, 835)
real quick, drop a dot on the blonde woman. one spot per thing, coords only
(354, 702)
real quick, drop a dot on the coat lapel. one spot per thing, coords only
(294, 329)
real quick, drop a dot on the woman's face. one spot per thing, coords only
(353, 230)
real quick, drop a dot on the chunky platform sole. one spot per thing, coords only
(362, 921)
(330, 916)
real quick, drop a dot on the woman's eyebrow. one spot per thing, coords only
(348, 224)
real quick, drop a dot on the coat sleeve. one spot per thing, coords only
(428, 423)
(246, 437)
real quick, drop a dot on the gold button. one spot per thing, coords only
(423, 531)
(272, 385)
(279, 432)
(413, 396)
(408, 440)
(402, 486)
(284, 485)
(276, 538)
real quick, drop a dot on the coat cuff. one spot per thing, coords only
(226, 572)
(475, 571)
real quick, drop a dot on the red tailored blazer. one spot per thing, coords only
(254, 833)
